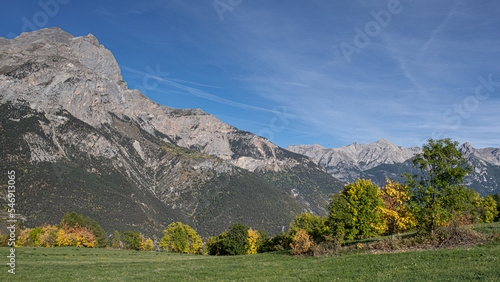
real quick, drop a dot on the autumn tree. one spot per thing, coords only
(301, 243)
(147, 245)
(252, 238)
(49, 235)
(72, 219)
(357, 210)
(488, 209)
(76, 236)
(440, 183)
(181, 238)
(396, 211)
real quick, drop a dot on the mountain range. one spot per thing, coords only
(81, 141)
(382, 159)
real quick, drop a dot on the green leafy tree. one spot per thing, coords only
(215, 245)
(117, 241)
(133, 240)
(230, 243)
(71, 219)
(181, 238)
(315, 226)
(263, 242)
(236, 241)
(358, 208)
(438, 190)
(496, 197)
(280, 241)
(35, 236)
(99, 233)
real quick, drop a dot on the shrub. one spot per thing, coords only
(281, 241)
(238, 241)
(215, 245)
(147, 245)
(315, 226)
(301, 243)
(49, 235)
(117, 241)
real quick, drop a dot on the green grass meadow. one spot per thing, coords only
(77, 264)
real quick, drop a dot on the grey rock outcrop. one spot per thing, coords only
(347, 163)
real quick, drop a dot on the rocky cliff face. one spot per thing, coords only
(50, 69)
(72, 127)
(382, 158)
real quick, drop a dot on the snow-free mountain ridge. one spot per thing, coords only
(382, 158)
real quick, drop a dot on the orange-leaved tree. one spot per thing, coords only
(301, 243)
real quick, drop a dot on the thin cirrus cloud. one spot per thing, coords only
(399, 87)
(269, 59)
(181, 85)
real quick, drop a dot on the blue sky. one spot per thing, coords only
(303, 72)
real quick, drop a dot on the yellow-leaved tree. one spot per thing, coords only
(252, 238)
(396, 211)
(181, 238)
(147, 245)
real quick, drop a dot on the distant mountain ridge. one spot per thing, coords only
(382, 158)
(82, 141)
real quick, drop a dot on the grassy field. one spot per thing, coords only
(70, 264)
(76, 264)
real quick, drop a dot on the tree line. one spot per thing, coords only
(431, 199)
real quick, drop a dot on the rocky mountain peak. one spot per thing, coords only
(51, 69)
(383, 143)
(75, 130)
(466, 149)
(347, 162)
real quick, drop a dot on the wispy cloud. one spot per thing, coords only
(197, 92)
(434, 33)
(267, 55)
